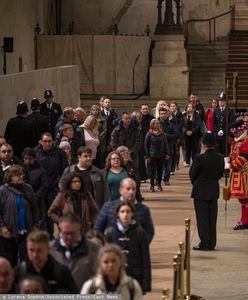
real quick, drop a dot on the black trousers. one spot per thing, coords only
(155, 165)
(221, 146)
(192, 147)
(206, 216)
(13, 249)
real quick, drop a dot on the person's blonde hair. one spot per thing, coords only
(157, 107)
(95, 107)
(88, 121)
(110, 248)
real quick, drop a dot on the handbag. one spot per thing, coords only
(226, 192)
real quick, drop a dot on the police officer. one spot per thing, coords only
(51, 109)
(205, 172)
(20, 131)
(219, 123)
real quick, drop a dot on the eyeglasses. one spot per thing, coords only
(112, 158)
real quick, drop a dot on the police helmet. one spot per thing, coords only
(222, 96)
(48, 94)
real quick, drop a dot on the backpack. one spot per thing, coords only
(130, 285)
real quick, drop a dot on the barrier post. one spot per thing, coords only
(181, 269)
(187, 257)
(175, 283)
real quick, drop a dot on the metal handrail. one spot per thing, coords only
(209, 20)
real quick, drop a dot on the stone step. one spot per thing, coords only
(125, 103)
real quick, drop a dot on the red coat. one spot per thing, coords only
(239, 175)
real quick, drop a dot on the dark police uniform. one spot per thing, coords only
(205, 172)
(53, 111)
(219, 123)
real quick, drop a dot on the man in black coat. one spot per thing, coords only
(170, 132)
(39, 262)
(205, 172)
(110, 115)
(54, 161)
(50, 109)
(145, 125)
(40, 121)
(20, 131)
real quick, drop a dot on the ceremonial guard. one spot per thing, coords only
(239, 172)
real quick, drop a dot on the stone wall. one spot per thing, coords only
(94, 16)
(63, 81)
(17, 21)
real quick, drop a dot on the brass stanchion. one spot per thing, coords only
(181, 269)
(188, 295)
(165, 294)
(187, 257)
(175, 283)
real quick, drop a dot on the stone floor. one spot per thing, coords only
(219, 274)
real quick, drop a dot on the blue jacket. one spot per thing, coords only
(106, 218)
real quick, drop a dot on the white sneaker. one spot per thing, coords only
(185, 164)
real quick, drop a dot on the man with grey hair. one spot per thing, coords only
(127, 191)
(79, 116)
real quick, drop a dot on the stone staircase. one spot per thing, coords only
(120, 103)
(241, 15)
(207, 69)
(117, 18)
(238, 62)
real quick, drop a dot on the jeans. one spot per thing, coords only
(155, 165)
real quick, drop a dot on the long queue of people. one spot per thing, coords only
(64, 174)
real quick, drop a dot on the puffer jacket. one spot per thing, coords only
(156, 145)
(128, 287)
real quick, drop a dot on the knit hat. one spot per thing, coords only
(208, 139)
(64, 144)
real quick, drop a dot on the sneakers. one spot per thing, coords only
(152, 190)
(167, 183)
(240, 226)
(185, 164)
